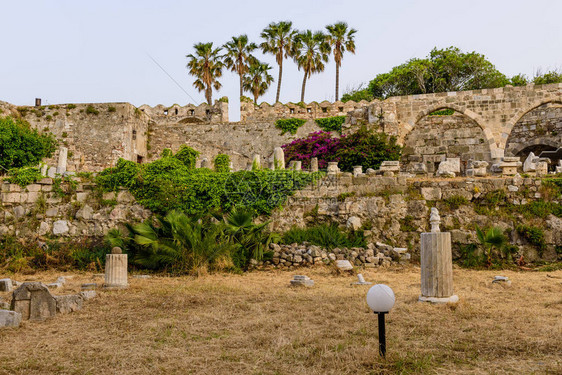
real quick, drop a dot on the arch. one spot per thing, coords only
(508, 127)
(541, 144)
(488, 136)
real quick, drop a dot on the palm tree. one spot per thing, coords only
(279, 42)
(341, 39)
(206, 66)
(238, 56)
(491, 239)
(310, 51)
(257, 79)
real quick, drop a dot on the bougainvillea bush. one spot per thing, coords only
(364, 147)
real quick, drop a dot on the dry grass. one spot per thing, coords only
(256, 324)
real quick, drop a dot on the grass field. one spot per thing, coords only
(256, 324)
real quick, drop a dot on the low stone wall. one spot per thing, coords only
(297, 255)
(57, 210)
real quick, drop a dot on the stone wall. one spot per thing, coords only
(538, 130)
(53, 210)
(436, 138)
(395, 210)
(188, 114)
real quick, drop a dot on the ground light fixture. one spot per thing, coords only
(380, 299)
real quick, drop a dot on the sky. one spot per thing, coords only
(69, 51)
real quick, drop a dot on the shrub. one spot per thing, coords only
(491, 239)
(331, 123)
(534, 235)
(71, 106)
(187, 156)
(443, 112)
(222, 163)
(111, 109)
(290, 125)
(455, 201)
(21, 146)
(91, 110)
(24, 176)
(319, 144)
(326, 236)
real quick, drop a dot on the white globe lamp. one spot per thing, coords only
(380, 299)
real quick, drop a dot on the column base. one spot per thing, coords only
(114, 286)
(453, 299)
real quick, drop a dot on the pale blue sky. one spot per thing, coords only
(97, 51)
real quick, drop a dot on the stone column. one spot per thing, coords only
(256, 162)
(333, 168)
(314, 165)
(298, 165)
(116, 269)
(357, 170)
(436, 264)
(205, 163)
(63, 155)
(279, 158)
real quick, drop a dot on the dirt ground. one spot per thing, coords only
(257, 324)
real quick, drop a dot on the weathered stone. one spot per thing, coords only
(344, 265)
(10, 318)
(431, 193)
(449, 168)
(63, 154)
(60, 227)
(529, 165)
(333, 168)
(88, 294)
(353, 223)
(314, 165)
(69, 303)
(85, 213)
(301, 280)
(6, 285)
(279, 158)
(357, 170)
(116, 271)
(33, 301)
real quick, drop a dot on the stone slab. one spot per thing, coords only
(9, 318)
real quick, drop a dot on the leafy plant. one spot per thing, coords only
(326, 236)
(20, 146)
(91, 110)
(330, 124)
(24, 176)
(290, 125)
(490, 240)
(187, 156)
(111, 109)
(71, 106)
(222, 163)
(534, 235)
(455, 201)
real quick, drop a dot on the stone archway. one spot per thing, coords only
(438, 135)
(538, 129)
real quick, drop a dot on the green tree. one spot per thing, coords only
(206, 66)
(310, 51)
(257, 79)
(341, 39)
(278, 40)
(238, 56)
(519, 80)
(552, 76)
(22, 146)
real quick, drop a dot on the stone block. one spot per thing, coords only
(69, 303)
(60, 227)
(46, 181)
(6, 285)
(353, 223)
(9, 318)
(34, 188)
(33, 301)
(431, 193)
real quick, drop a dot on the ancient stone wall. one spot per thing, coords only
(438, 137)
(188, 114)
(538, 130)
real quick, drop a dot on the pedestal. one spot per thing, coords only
(116, 271)
(436, 268)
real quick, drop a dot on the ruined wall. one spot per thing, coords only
(538, 130)
(445, 136)
(250, 113)
(188, 114)
(395, 210)
(240, 141)
(96, 135)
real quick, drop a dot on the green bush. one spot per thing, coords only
(330, 124)
(455, 201)
(187, 156)
(443, 112)
(326, 236)
(111, 109)
(91, 110)
(167, 184)
(71, 106)
(290, 125)
(21, 146)
(534, 235)
(222, 163)
(24, 176)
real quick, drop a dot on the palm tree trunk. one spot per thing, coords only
(337, 81)
(241, 90)
(256, 96)
(209, 95)
(279, 82)
(303, 87)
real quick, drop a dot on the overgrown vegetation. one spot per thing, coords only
(222, 163)
(331, 124)
(21, 146)
(328, 236)
(290, 125)
(24, 176)
(533, 235)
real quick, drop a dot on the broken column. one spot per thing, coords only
(63, 155)
(278, 158)
(509, 165)
(436, 264)
(33, 301)
(333, 168)
(116, 269)
(256, 162)
(357, 170)
(314, 165)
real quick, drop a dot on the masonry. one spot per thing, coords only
(484, 124)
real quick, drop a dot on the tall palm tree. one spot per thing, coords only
(341, 39)
(278, 40)
(257, 79)
(206, 66)
(238, 56)
(310, 51)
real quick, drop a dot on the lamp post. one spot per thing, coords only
(380, 299)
